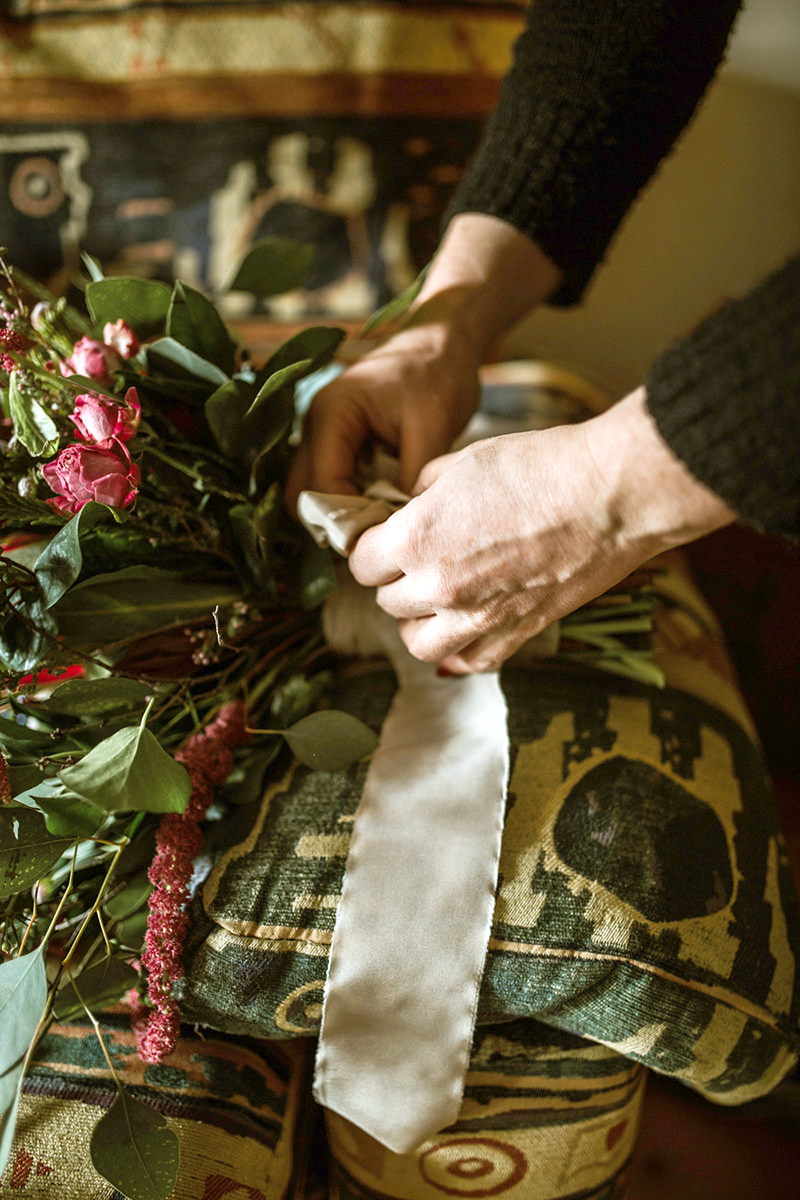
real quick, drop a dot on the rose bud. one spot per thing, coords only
(99, 419)
(82, 473)
(120, 337)
(93, 360)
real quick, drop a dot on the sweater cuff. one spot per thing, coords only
(726, 400)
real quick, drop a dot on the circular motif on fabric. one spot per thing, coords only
(473, 1167)
(36, 188)
(301, 1010)
(645, 839)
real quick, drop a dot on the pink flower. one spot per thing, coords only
(120, 337)
(83, 473)
(93, 360)
(101, 420)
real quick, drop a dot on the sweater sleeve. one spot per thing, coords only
(726, 399)
(598, 92)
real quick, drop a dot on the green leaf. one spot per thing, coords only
(135, 601)
(98, 697)
(311, 349)
(65, 814)
(225, 411)
(33, 426)
(20, 737)
(93, 267)
(141, 303)
(60, 563)
(330, 740)
(23, 996)
(130, 770)
(24, 637)
(27, 850)
(135, 1150)
(193, 321)
(172, 358)
(280, 379)
(271, 267)
(99, 986)
(395, 308)
(132, 897)
(317, 575)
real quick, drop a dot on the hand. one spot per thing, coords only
(512, 533)
(416, 393)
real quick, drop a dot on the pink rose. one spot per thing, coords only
(120, 337)
(83, 473)
(93, 360)
(101, 420)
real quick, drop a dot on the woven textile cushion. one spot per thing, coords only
(233, 1104)
(165, 138)
(645, 900)
(546, 1116)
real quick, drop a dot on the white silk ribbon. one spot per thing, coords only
(414, 919)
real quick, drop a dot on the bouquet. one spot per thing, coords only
(160, 643)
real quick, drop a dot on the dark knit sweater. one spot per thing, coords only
(598, 93)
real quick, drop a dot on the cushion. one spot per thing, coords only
(545, 1115)
(233, 1104)
(645, 900)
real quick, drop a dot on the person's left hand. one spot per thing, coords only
(512, 533)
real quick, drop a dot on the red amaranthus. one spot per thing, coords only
(208, 758)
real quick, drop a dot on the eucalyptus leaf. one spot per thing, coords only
(60, 563)
(65, 814)
(130, 770)
(27, 850)
(99, 697)
(19, 737)
(170, 357)
(33, 426)
(98, 987)
(135, 1150)
(271, 267)
(23, 997)
(396, 307)
(135, 601)
(141, 303)
(330, 740)
(193, 321)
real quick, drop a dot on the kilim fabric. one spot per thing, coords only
(545, 1116)
(164, 139)
(234, 1105)
(645, 899)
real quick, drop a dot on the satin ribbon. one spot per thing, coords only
(414, 919)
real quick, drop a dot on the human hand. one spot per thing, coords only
(510, 534)
(416, 393)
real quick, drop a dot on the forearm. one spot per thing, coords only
(598, 93)
(484, 278)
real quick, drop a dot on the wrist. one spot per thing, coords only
(484, 278)
(654, 501)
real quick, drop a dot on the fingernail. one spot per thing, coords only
(443, 673)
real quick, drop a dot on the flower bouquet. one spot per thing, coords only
(160, 644)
